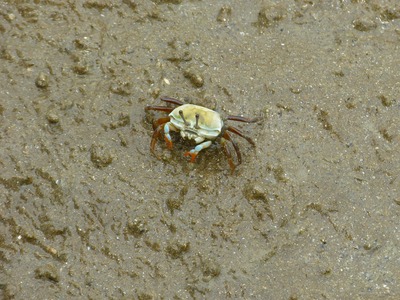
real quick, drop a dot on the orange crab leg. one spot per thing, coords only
(154, 139)
(160, 121)
(163, 126)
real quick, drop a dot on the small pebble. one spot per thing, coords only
(195, 78)
(224, 14)
(362, 24)
(48, 272)
(53, 118)
(42, 80)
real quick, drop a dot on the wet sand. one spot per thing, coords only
(87, 212)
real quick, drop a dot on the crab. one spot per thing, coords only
(199, 124)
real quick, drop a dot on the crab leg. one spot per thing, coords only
(228, 154)
(195, 151)
(154, 139)
(239, 133)
(167, 137)
(159, 108)
(228, 137)
(165, 108)
(172, 100)
(243, 119)
(160, 121)
(163, 126)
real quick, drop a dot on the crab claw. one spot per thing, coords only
(169, 142)
(192, 155)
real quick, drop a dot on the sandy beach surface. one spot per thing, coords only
(87, 212)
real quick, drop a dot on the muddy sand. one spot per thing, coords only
(87, 212)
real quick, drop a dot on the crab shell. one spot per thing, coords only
(209, 124)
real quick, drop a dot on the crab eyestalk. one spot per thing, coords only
(197, 121)
(183, 118)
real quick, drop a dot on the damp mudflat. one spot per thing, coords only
(87, 212)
